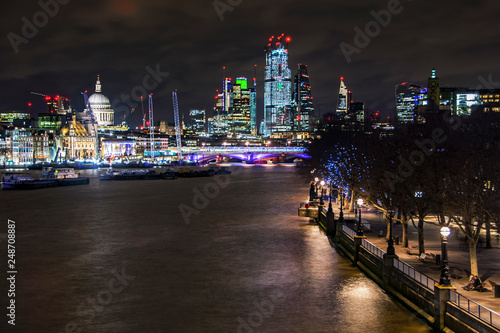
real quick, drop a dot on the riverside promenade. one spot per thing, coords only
(458, 253)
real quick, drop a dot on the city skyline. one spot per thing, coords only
(125, 41)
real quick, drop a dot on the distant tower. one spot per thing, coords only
(433, 93)
(302, 100)
(343, 100)
(253, 105)
(277, 86)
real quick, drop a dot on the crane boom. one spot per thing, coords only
(35, 93)
(151, 127)
(177, 125)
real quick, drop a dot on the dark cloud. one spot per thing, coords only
(119, 38)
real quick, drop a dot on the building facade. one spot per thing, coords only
(235, 109)
(343, 98)
(101, 107)
(277, 87)
(408, 97)
(198, 121)
(302, 100)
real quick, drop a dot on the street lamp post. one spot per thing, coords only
(390, 241)
(444, 279)
(330, 197)
(316, 179)
(321, 202)
(341, 214)
(360, 226)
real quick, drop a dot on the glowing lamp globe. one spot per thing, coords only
(360, 202)
(316, 179)
(322, 183)
(445, 231)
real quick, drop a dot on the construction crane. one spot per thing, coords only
(151, 127)
(143, 114)
(57, 98)
(177, 125)
(35, 93)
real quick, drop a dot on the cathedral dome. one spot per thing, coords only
(99, 99)
(101, 107)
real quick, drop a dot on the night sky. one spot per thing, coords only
(119, 39)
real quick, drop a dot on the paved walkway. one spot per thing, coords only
(458, 254)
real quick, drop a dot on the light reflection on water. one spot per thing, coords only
(245, 263)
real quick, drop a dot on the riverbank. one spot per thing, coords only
(414, 282)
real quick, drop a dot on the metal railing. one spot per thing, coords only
(479, 311)
(414, 274)
(348, 231)
(373, 249)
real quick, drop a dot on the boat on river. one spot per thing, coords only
(188, 173)
(24, 181)
(113, 174)
(63, 176)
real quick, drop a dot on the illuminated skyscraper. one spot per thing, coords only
(235, 108)
(240, 109)
(343, 100)
(223, 101)
(253, 108)
(408, 96)
(303, 105)
(198, 121)
(277, 86)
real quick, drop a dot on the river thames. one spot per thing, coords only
(216, 254)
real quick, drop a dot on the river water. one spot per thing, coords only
(216, 254)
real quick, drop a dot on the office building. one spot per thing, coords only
(302, 100)
(277, 86)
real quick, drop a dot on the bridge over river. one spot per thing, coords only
(249, 155)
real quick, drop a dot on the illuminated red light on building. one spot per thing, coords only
(288, 39)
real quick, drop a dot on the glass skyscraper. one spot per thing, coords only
(408, 96)
(277, 87)
(198, 121)
(303, 105)
(343, 100)
(235, 107)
